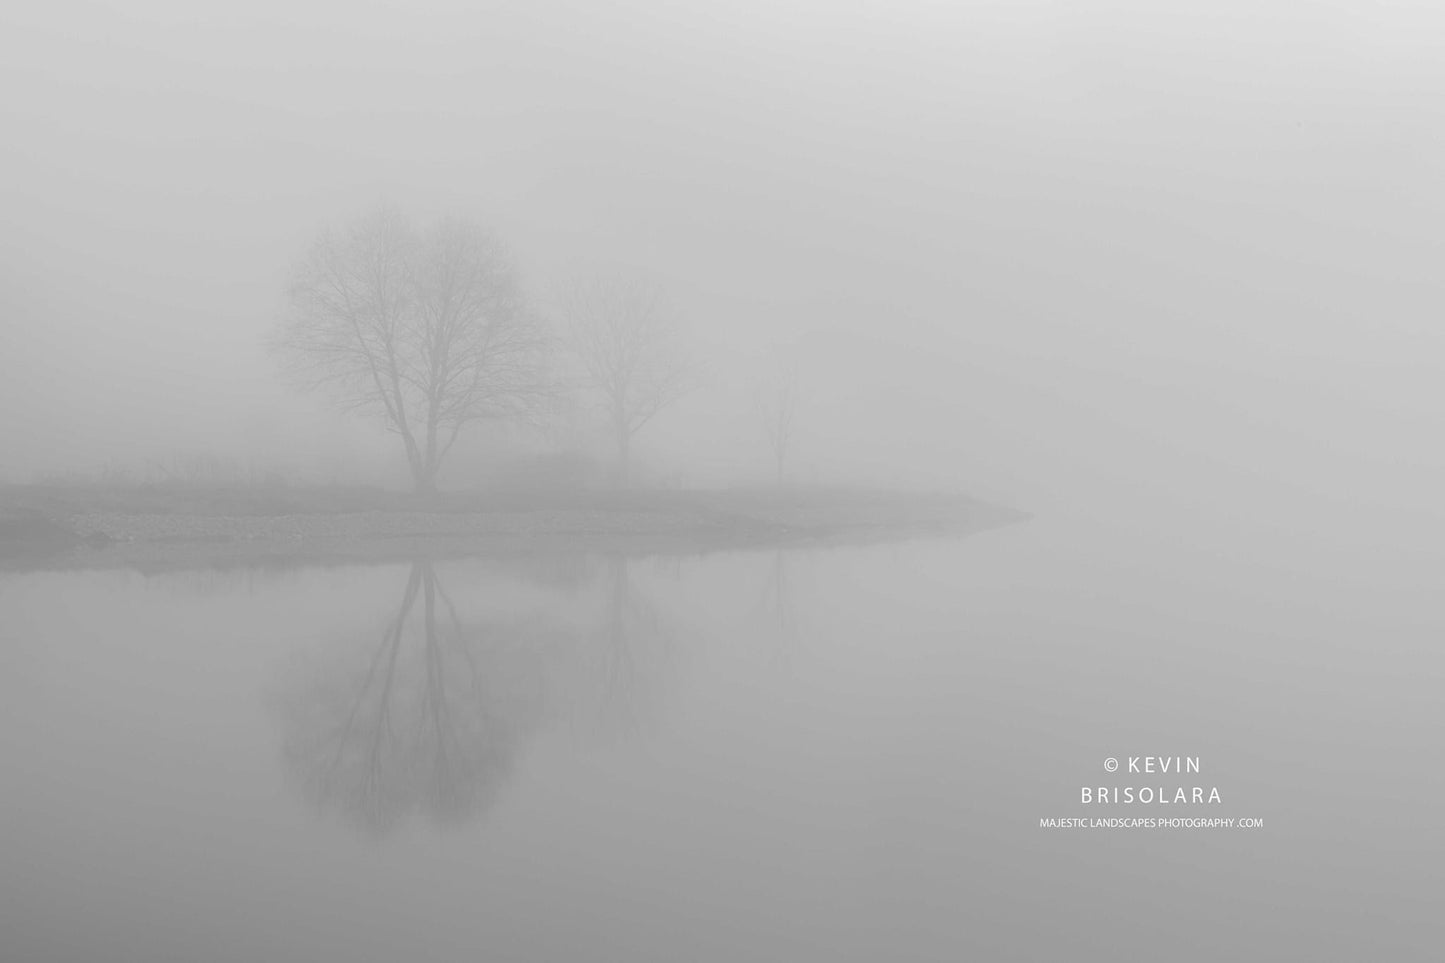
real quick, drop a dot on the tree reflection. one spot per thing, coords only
(431, 716)
(431, 719)
(776, 608)
(633, 645)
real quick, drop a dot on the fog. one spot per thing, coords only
(1053, 254)
(1158, 283)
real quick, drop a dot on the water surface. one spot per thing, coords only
(829, 754)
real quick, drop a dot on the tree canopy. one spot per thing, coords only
(429, 330)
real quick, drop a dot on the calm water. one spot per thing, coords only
(803, 755)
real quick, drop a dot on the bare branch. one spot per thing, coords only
(430, 330)
(626, 344)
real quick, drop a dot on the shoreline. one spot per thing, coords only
(202, 530)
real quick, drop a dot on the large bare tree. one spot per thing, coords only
(627, 344)
(430, 330)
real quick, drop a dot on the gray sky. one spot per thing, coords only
(1029, 249)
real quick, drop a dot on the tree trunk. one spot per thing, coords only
(624, 453)
(424, 479)
(432, 459)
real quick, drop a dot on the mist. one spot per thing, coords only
(1040, 251)
(902, 408)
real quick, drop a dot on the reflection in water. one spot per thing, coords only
(11, 651)
(634, 645)
(776, 609)
(433, 714)
(430, 717)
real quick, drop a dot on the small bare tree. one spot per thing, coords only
(776, 401)
(626, 342)
(429, 330)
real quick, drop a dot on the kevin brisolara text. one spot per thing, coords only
(1139, 822)
(1149, 794)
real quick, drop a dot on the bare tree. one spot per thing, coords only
(626, 342)
(429, 330)
(776, 400)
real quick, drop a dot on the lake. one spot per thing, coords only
(839, 753)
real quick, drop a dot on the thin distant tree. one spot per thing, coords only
(627, 344)
(429, 330)
(776, 402)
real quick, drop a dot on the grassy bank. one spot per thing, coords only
(124, 524)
